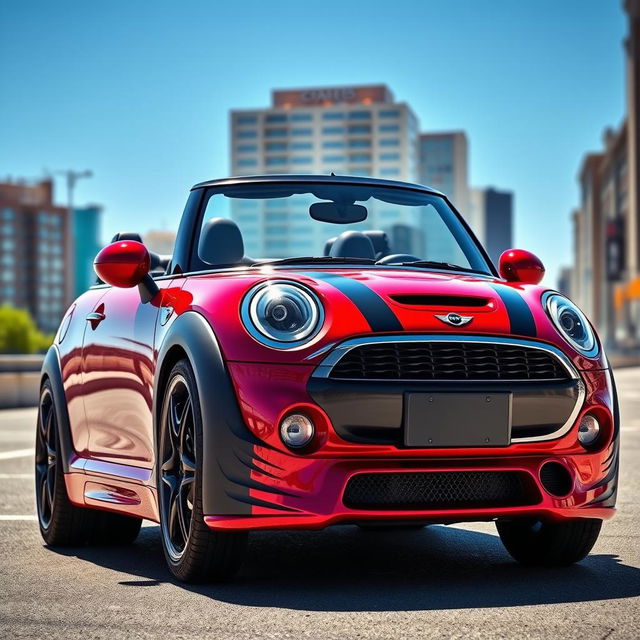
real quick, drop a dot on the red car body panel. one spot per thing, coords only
(110, 368)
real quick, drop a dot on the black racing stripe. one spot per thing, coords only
(520, 316)
(375, 310)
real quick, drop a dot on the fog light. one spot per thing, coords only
(589, 430)
(296, 431)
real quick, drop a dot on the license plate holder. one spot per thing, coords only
(451, 419)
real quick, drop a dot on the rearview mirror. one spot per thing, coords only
(124, 263)
(518, 265)
(337, 213)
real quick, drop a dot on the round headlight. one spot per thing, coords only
(572, 324)
(589, 430)
(282, 314)
(296, 431)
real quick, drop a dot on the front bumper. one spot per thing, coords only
(287, 490)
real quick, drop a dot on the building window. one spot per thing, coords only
(246, 148)
(276, 117)
(390, 171)
(389, 157)
(277, 160)
(7, 214)
(389, 142)
(359, 128)
(250, 133)
(359, 157)
(360, 171)
(333, 115)
(335, 158)
(333, 131)
(275, 133)
(301, 146)
(301, 131)
(359, 115)
(389, 113)
(247, 162)
(246, 119)
(276, 146)
(359, 144)
(301, 160)
(301, 117)
(388, 128)
(333, 144)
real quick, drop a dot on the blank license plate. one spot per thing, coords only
(457, 419)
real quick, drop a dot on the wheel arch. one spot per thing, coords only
(52, 371)
(226, 439)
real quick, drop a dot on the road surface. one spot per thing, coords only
(441, 582)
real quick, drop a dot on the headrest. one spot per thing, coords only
(127, 235)
(380, 242)
(221, 242)
(327, 246)
(352, 244)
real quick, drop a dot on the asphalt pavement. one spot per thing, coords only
(440, 582)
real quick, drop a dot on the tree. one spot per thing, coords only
(19, 334)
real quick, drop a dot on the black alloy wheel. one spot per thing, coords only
(178, 467)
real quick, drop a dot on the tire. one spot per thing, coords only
(194, 553)
(63, 524)
(549, 544)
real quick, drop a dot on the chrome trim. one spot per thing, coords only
(324, 368)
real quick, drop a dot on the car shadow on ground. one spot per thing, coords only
(346, 569)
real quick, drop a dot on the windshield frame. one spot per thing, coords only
(463, 234)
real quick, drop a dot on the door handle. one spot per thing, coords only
(95, 318)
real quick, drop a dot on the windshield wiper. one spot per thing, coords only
(316, 260)
(437, 265)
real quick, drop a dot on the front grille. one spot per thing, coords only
(447, 361)
(438, 490)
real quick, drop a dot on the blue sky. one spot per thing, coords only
(139, 92)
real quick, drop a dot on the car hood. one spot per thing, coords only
(374, 301)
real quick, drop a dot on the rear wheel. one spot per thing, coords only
(61, 522)
(193, 552)
(549, 544)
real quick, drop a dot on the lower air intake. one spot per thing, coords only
(438, 490)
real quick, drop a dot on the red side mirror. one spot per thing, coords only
(123, 264)
(518, 265)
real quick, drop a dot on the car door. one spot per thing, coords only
(118, 365)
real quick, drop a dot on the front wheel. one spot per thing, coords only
(193, 552)
(549, 544)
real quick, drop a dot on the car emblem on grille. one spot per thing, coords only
(455, 319)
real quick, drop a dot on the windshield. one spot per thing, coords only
(276, 222)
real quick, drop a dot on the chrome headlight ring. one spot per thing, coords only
(571, 324)
(282, 314)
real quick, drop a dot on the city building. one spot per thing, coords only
(490, 215)
(606, 267)
(36, 264)
(443, 165)
(86, 244)
(160, 241)
(358, 130)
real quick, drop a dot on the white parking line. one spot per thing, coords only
(16, 453)
(15, 476)
(30, 518)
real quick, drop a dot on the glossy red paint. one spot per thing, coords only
(518, 265)
(123, 264)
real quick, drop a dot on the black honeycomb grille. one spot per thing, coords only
(437, 490)
(447, 361)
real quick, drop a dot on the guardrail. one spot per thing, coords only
(19, 380)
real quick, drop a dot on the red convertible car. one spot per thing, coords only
(388, 378)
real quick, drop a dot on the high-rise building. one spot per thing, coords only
(443, 165)
(357, 130)
(490, 215)
(86, 244)
(606, 267)
(34, 257)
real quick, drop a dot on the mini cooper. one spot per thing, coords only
(387, 376)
